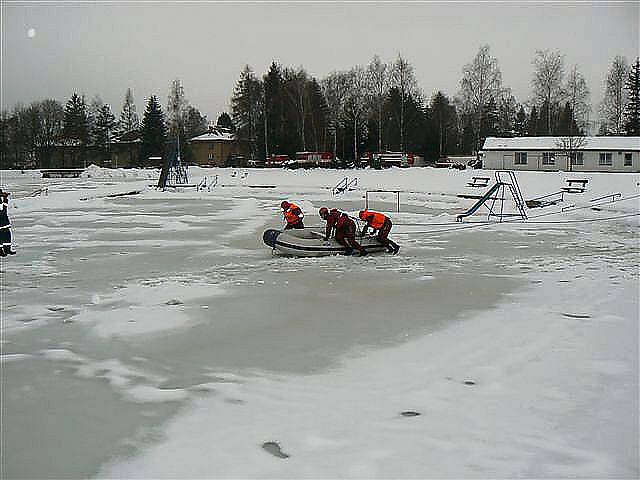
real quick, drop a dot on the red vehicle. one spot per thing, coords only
(276, 161)
(311, 159)
(392, 159)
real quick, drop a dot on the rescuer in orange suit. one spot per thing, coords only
(345, 230)
(292, 214)
(381, 223)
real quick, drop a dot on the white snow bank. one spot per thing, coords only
(94, 171)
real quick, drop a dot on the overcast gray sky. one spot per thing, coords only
(52, 50)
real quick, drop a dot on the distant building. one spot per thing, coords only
(125, 150)
(579, 154)
(218, 147)
(68, 153)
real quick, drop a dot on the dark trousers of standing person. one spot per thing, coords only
(294, 225)
(383, 237)
(346, 237)
(5, 242)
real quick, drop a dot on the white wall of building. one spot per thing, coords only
(505, 159)
(510, 154)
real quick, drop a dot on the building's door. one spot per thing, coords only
(507, 161)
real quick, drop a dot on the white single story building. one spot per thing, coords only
(589, 154)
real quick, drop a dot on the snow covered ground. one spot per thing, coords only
(154, 335)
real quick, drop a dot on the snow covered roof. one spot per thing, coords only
(554, 143)
(215, 134)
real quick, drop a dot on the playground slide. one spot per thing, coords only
(478, 204)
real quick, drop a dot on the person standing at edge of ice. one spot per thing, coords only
(5, 226)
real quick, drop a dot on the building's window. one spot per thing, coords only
(212, 146)
(548, 158)
(627, 160)
(577, 158)
(521, 158)
(605, 159)
(210, 155)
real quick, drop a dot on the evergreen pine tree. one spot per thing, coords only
(521, 122)
(532, 124)
(442, 115)
(318, 115)
(544, 127)
(154, 134)
(247, 108)
(632, 111)
(274, 98)
(490, 121)
(565, 120)
(76, 120)
(103, 127)
(194, 123)
(224, 121)
(128, 116)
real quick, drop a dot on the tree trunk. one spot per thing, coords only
(380, 127)
(402, 122)
(266, 137)
(355, 139)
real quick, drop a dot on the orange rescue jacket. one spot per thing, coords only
(293, 214)
(374, 219)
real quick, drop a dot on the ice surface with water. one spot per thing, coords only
(155, 336)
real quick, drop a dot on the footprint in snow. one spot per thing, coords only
(410, 413)
(575, 315)
(274, 449)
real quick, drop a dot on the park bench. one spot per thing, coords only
(575, 185)
(479, 182)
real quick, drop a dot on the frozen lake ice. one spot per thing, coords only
(142, 328)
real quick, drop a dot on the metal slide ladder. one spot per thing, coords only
(344, 185)
(505, 182)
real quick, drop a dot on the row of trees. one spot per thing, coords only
(380, 107)
(30, 133)
(366, 108)
(348, 112)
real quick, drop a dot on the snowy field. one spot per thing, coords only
(154, 335)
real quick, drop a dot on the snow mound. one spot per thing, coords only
(94, 171)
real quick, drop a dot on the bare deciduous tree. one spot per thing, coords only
(176, 108)
(577, 95)
(356, 102)
(570, 146)
(403, 78)
(547, 80)
(615, 97)
(335, 88)
(378, 80)
(296, 88)
(481, 80)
